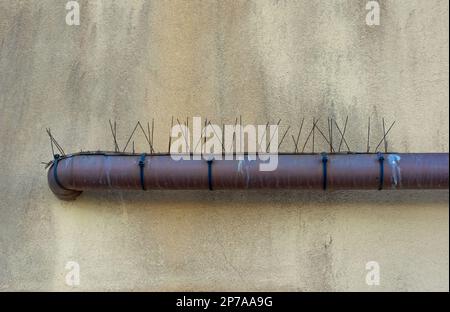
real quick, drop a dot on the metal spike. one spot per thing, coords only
(330, 134)
(263, 135)
(313, 135)
(132, 133)
(204, 130)
(153, 131)
(298, 135)
(342, 135)
(270, 141)
(384, 136)
(368, 136)
(295, 143)
(325, 138)
(223, 138)
(215, 133)
(51, 141)
(115, 135)
(310, 132)
(113, 132)
(240, 133)
(150, 138)
(170, 135)
(234, 134)
(281, 141)
(182, 132)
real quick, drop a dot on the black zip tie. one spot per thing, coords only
(141, 170)
(55, 171)
(324, 170)
(210, 175)
(381, 161)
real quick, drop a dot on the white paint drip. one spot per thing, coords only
(240, 165)
(241, 169)
(393, 160)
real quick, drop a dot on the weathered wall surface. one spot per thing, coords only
(264, 60)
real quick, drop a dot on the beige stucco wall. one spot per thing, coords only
(264, 60)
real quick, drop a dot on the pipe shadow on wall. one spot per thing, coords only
(223, 198)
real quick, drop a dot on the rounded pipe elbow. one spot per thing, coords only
(60, 191)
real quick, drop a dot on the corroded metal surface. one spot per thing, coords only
(102, 171)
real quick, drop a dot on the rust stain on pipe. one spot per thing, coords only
(70, 175)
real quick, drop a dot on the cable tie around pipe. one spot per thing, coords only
(381, 161)
(141, 170)
(210, 174)
(324, 170)
(55, 172)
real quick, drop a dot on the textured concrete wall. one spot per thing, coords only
(264, 60)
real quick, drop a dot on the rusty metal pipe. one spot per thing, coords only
(68, 176)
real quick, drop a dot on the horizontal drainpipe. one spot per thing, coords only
(69, 175)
